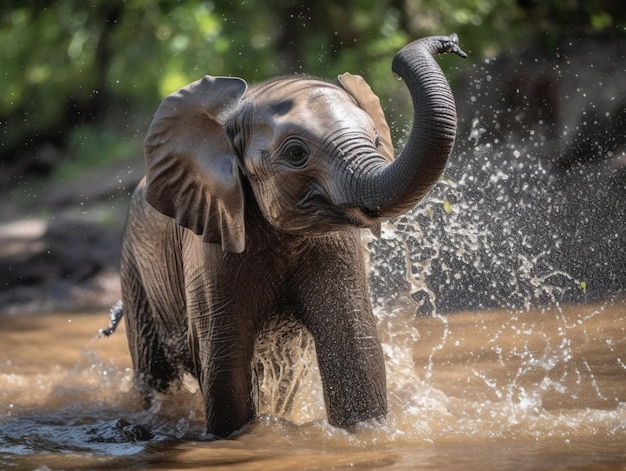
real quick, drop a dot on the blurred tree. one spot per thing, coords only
(68, 63)
(575, 16)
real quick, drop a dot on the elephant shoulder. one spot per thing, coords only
(143, 217)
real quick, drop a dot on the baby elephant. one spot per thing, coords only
(250, 212)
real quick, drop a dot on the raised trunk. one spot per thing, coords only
(395, 188)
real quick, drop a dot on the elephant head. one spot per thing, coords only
(317, 155)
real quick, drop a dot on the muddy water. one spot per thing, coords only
(489, 390)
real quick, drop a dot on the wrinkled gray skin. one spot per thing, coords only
(251, 210)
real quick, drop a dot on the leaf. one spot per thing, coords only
(583, 286)
(447, 206)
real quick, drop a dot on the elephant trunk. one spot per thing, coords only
(394, 188)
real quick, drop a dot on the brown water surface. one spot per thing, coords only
(541, 390)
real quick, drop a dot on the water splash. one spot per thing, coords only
(286, 374)
(490, 236)
(485, 240)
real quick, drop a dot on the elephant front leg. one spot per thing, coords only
(352, 369)
(333, 301)
(223, 367)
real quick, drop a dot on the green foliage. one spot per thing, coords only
(70, 63)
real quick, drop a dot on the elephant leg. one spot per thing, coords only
(223, 353)
(352, 368)
(335, 308)
(153, 366)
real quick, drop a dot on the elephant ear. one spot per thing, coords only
(192, 171)
(356, 86)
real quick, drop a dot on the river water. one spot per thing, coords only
(532, 389)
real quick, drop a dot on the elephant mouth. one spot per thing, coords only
(342, 215)
(360, 217)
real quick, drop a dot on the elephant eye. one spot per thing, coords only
(295, 152)
(377, 141)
